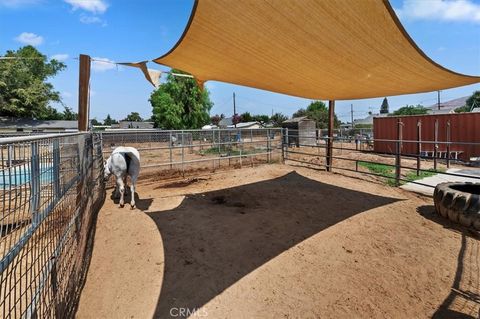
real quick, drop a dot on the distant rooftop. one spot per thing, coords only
(297, 119)
(448, 106)
(246, 124)
(24, 123)
(226, 121)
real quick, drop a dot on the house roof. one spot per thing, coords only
(369, 118)
(13, 123)
(245, 124)
(297, 119)
(134, 124)
(329, 49)
(448, 106)
(226, 121)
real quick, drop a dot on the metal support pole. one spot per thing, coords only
(448, 144)
(398, 156)
(170, 149)
(183, 156)
(213, 146)
(286, 142)
(56, 169)
(35, 182)
(268, 146)
(419, 145)
(331, 116)
(83, 92)
(435, 145)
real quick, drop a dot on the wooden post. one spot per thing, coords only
(331, 117)
(419, 145)
(83, 92)
(448, 144)
(398, 157)
(435, 146)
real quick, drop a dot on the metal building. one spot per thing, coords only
(301, 131)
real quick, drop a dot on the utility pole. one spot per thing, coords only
(438, 103)
(351, 112)
(234, 111)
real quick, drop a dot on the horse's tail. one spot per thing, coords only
(128, 160)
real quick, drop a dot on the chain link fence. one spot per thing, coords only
(51, 188)
(169, 152)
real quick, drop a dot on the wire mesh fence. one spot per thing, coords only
(51, 188)
(186, 150)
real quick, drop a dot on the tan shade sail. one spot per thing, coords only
(319, 49)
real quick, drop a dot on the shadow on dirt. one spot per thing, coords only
(214, 239)
(466, 284)
(142, 204)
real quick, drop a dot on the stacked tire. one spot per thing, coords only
(459, 202)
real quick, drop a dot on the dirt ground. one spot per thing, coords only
(278, 241)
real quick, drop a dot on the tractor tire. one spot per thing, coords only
(459, 202)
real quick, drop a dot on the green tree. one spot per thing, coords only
(24, 90)
(474, 100)
(133, 117)
(109, 121)
(411, 110)
(69, 114)
(317, 111)
(462, 109)
(95, 122)
(384, 108)
(180, 104)
(246, 117)
(301, 112)
(262, 118)
(277, 119)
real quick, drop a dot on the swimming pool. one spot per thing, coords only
(21, 174)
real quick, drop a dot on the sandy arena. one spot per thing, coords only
(277, 241)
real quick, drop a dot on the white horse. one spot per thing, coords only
(124, 161)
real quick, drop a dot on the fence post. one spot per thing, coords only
(241, 148)
(331, 114)
(35, 182)
(10, 155)
(398, 156)
(435, 146)
(419, 145)
(286, 143)
(170, 148)
(448, 144)
(56, 169)
(269, 155)
(183, 156)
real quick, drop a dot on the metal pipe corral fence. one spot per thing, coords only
(51, 188)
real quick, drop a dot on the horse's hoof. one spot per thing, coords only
(122, 205)
(133, 207)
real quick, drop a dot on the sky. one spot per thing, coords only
(447, 31)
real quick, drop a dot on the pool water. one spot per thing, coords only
(20, 175)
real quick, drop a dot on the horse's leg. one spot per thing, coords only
(125, 184)
(121, 187)
(133, 181)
